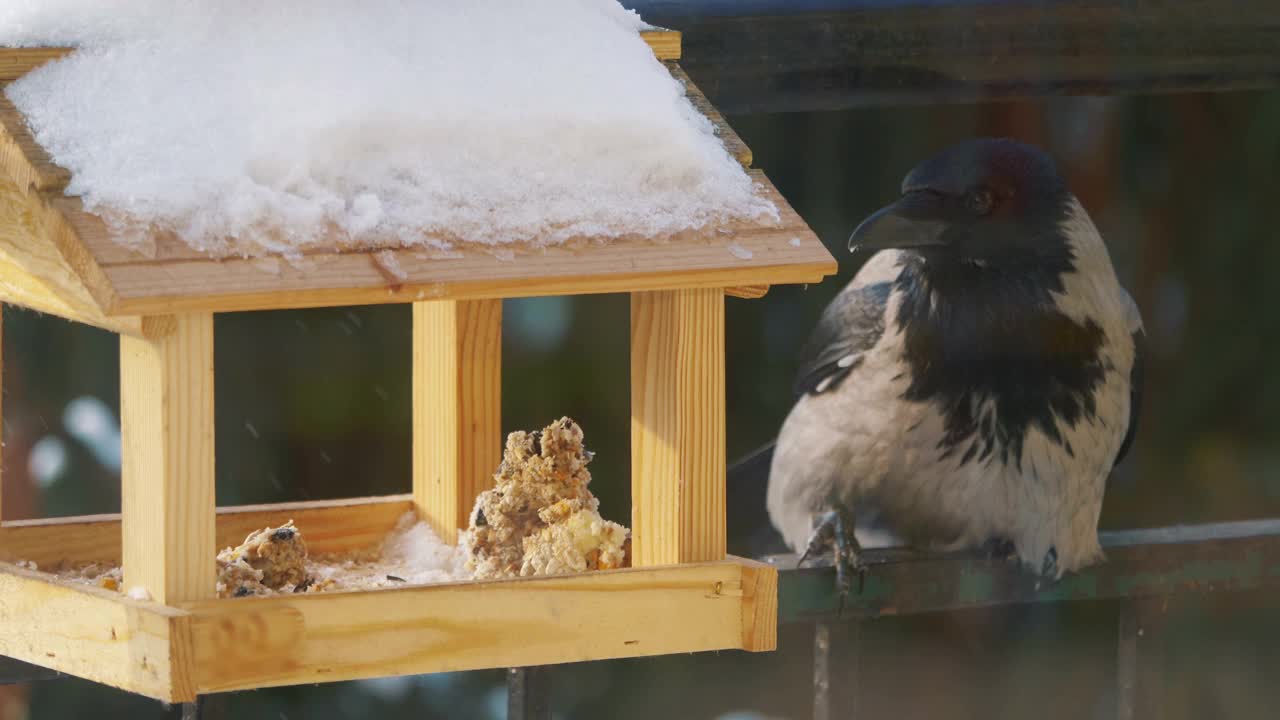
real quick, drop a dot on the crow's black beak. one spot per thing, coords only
(889, 228)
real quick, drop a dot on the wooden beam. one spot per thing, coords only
(22, 158)
(664, 43)
(329, 526)
(166, 410)
(95, 634)
(457, 408)
(34, 272)
(327, 637)
(747, 292)
(16, 62)
(177, 280)
(732, 143)
(677, 427)
(760, 610)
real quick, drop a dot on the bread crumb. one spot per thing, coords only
(268, 559)
(540, 518)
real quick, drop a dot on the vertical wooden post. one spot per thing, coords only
(457, 407)
(677, 427)
(166, 417)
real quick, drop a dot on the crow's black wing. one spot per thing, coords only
(849, 326)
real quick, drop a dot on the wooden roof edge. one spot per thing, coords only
(16, 62)
(44, 269)
(734, 284)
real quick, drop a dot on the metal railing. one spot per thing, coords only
(804, 55)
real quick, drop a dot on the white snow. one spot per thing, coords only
(388, 261)
(247, 126)
(740, 252)
(138, 592)
(411, 553)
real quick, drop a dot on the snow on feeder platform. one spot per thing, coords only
(58, 258)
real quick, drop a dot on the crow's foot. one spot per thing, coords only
(835, 531)
(1049, 566)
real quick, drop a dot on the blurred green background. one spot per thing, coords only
(315, 404)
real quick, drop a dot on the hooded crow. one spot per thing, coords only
(975, 382)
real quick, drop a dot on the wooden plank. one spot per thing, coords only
(747, 292)
(732, 143)
(329, 526)
(664, 43)
(16, 62)
(325, 637)
(166, 412)
(95, 634)
(760, 607)
(1150, 563)
(457, 408)
(741, 255)
(22, 159)
(33, 271)
(677, 427)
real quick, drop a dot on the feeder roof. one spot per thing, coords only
(58, 258)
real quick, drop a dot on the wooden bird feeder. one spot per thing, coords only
(59, 259)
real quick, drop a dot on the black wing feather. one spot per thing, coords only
(849, 326)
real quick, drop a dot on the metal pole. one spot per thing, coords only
(1127, 664)
(847, 680)
(822, 671)
(1140, 661)
(529, 693)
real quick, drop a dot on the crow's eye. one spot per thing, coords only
(980, 201)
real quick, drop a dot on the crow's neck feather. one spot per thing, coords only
(989, 348)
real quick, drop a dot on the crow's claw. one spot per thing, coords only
(1049, 566)
(835, 530)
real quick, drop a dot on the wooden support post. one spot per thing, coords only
(166, 413)
(677, 427)
(457, 407)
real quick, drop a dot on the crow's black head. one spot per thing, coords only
(983, 226)
(984, 200)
